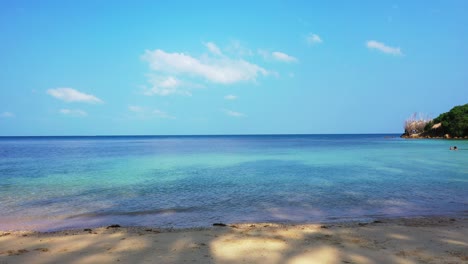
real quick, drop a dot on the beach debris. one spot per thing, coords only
(219, 224)
(42, 249)
(152, 230)
(5, 234)
(324, 227)
(377, 222)
(362, 224)
(87, 230)
(113, 226)
(17, 252)
(463, 256)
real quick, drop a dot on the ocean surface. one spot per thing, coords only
(55, 183)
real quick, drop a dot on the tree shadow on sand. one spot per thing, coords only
(427, 240)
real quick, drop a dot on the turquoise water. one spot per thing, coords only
(53, 183)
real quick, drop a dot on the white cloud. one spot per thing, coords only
(164, 86)
(72, 95)
(7, 114)
(372, 44)
(217, 70)
(73, 112)
(313, 39)
(213, 48)
(162, 114)
(280, 56)
(230, 97)
(233, 113)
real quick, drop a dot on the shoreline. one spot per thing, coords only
(332, 221)
(435, 239)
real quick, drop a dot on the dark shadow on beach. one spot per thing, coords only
(424, 240)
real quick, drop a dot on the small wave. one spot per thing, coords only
(136, 213)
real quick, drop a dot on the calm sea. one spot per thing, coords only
(53, 183)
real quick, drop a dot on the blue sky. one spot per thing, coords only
(224, 67)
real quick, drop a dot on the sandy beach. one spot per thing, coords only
(417, 240)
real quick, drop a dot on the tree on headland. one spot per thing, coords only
(454, 122)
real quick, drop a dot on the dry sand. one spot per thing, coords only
(423, 240)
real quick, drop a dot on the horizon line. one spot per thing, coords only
(201, 135)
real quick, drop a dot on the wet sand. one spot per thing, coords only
(416, 240)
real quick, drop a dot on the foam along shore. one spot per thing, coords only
(417, 240)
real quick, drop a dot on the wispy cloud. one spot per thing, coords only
(230, 97)
(372, 44)
(7, 115)
(73, 112)
(237, 48)
(72, 95)
(145, 112)
(165, 86)
(280, 56)
(264, 53)
(221, 70)
(213, 48)
(233, 113)
(313, 39)
(276, 55)
(162, 114)
(136, 109)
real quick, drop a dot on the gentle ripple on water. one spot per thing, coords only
(57, 183)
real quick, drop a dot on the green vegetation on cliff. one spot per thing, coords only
(454, 122)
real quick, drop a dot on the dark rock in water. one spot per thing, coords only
(113, 226)
(219, 224)
(362, 224)
(324, 227)
(377, 222)
(87, 230)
